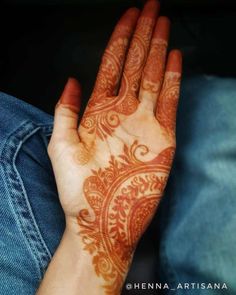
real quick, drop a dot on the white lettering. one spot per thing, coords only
(179, 286)
(166, 286)
(186, 285)
(209, 286)
(224, 286)
(144, 286)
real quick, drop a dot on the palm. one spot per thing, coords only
(141, 127)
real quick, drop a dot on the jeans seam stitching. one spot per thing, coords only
(9, 152)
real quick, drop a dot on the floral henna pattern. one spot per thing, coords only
(110, 69)
(123, 198)
(137, 56)
(102, 113)
(154, 69)
(167, 103)
(104, 109)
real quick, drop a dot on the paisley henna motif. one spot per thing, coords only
(123, 198)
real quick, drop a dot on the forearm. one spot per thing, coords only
(71, 271)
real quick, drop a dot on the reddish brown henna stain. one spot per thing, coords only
(123, 198)
(103, 112)
(137, 56)
(154, 69)
(168, 101)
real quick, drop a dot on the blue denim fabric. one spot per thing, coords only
(198, 214)
(31, 219)
(196, 219)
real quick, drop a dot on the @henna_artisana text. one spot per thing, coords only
(112, 170)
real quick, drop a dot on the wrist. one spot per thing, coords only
(93, 265)
(70, 271)
(81, 264)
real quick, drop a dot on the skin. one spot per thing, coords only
(111, 172)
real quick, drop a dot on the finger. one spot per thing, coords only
(67, 111)
(168, 100)
(138, 50)
(113, 59)
(154, 69)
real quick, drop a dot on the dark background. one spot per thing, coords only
(45, 42)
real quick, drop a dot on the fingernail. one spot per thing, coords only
(71, 93)
(174, 63)
(162, 29)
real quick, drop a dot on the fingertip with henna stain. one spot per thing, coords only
(151, 9)
(72, 93)
(162, 29)
(174, 63)
(130, 17)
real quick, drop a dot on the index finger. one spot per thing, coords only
(112, 61)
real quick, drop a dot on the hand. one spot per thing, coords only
(111, 171)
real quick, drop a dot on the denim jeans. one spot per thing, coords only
(31, 218)
(196, 221)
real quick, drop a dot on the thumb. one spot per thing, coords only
(67, 112)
